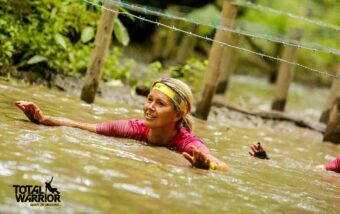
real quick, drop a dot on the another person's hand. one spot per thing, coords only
(258, 151)
(197, 159)
(31, 110)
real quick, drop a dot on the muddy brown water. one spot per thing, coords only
(99, 174)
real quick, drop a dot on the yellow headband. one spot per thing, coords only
(171, 94)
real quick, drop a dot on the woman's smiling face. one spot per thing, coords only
(159, 111)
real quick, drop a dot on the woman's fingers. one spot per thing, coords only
(189, 158)
(19, 105)
(254, 148)
(201, 160)
(258, 151)
(201, 156)
(196, 153)
(26, 106)
(30, 109)
(23, 105)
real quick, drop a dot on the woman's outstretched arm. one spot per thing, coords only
(34, 114)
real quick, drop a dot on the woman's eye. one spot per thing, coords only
(161, 103)
(149, 99)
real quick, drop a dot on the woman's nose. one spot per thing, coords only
(151, 105)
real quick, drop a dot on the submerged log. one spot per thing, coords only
(274, 115)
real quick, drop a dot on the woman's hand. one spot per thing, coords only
(198, 159)
(31, 110)
(258, 151)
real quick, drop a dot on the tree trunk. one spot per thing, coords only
(228, 64)
(158, 41)
(171, 41)
(228, 16)
(332, 132)
(286, 73)
(331, 98)
(187, 45)
(101, 46)
(274, 65)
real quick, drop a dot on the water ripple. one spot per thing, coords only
(147, 191)
(29, 137)
(4, 171)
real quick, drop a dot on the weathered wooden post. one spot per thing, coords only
(101, 46)
(158, 40)
(171, 40)
(228, 64)
(332, 132)
(331, 98)
(286, 73)
(274, 64)
(187, 45)
(212, 74)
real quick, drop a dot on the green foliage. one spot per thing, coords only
(191, 72)
(121, 33)
(154, 71)
(209, 15)
(116, 68)
(87, 34)
(36, 59)
(44, 31)
(52, 36)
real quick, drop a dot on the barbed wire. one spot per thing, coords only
(337, 76)
(291, 15)
(166, 14)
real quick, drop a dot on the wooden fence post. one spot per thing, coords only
(332, 132)
(159, 39)
(228, 16)
(187, 45)
(331, 98)
(101, 46)
(171, 41)
(286, 73)
(228, 64)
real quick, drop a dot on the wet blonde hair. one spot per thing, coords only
(184, 92)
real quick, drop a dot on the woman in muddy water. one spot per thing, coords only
(166, 123)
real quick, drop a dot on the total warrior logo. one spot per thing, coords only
(35, 195)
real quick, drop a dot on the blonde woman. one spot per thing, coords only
(166, 123)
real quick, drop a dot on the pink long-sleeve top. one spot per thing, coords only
(135, 129)
(333, 165)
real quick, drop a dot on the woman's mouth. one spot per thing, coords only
(149, 116)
